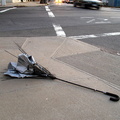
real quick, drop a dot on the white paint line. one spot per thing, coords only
(51, 14)
(95, 36)
(90, 21)
(83, 36)
(115, 17)
(47, 8)
(102, 19)
(110, 34)
(59, 30)
(7, 9)
(102, 22)
(86, 17)
(105, 19)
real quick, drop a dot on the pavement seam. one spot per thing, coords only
(58, 48)
(55, 58)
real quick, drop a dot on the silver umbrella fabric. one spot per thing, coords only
(26, 66)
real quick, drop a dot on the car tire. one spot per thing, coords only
(98, 8)
(84, 6)
(74, 4)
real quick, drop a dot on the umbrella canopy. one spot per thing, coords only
(27, 67)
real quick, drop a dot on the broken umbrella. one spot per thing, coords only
(26, 66)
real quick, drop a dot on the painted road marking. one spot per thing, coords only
(95, 36)
(2, 11)
(90, 21)
(50, 13)
(86, 17)
(59, 30)
(115, 17)
(46, 7)
(102, 22)
(95, 20)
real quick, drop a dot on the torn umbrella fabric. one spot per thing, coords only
(27, 67)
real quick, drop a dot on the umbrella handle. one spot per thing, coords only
(113, 97)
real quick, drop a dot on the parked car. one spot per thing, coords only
(88, 3)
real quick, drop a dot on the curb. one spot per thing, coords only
(24, 4)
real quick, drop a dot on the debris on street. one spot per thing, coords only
(26, 66)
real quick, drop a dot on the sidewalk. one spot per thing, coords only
(44, 99)
(23, 4)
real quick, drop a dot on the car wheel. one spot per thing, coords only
(98, 7)
(83, 6)
(74, 4)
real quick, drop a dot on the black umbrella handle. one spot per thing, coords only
(113, 97)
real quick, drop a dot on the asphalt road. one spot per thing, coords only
(35, 21)
(100, 28)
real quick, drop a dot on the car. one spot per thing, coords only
(69, 1)
(88, 3)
